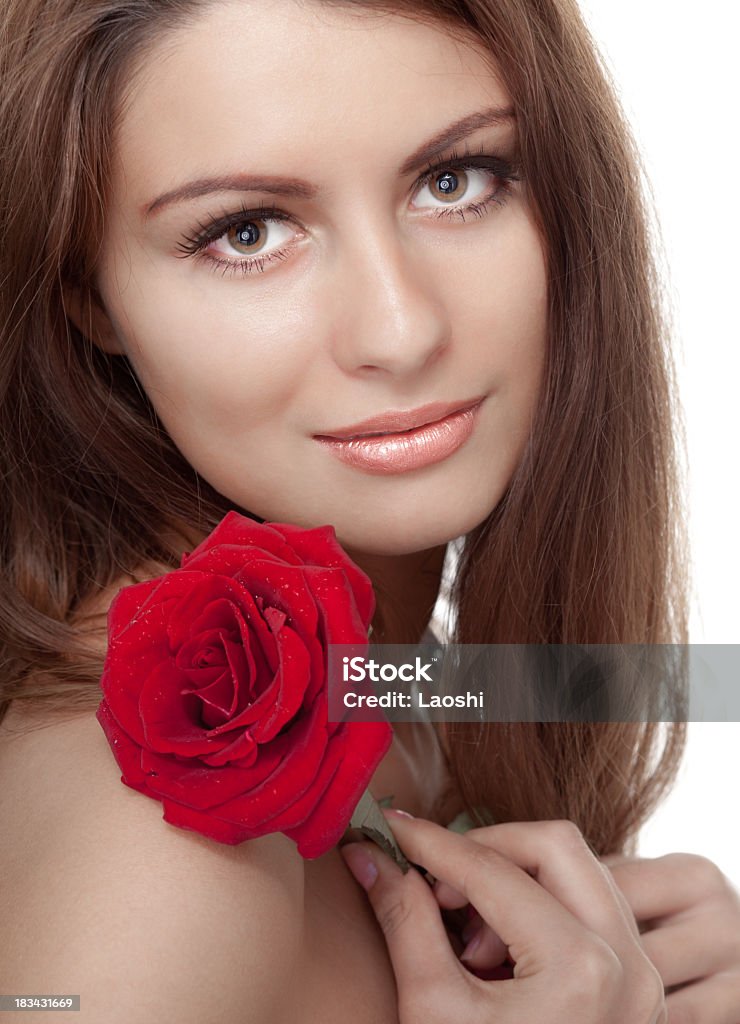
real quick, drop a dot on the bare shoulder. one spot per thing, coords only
(100, 896)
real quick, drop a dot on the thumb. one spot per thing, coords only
(409, 916)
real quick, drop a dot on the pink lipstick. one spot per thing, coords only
(400, 450)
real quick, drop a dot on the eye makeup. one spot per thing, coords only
(503, 172)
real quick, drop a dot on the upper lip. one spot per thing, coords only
(402, 419)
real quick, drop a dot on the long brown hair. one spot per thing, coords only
(587, 545)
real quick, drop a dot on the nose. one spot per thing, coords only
(391, 315)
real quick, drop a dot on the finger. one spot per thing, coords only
(409, 916)
(448, 896)
(657, 887)
(558, 857)
(484, 948)
(481, 945)
(527, 917)
(451, 898)
(695, 947)
(619, 897)
(611, 860)
(626, 909)
(713, 1001)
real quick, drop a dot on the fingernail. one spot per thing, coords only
(395, 810)
(360, 863)
(471, 947)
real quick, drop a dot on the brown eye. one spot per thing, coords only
(449, 184)
(247, 237)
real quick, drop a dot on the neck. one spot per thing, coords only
(406, 589)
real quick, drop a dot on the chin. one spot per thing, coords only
(381, 525)
(405, 531)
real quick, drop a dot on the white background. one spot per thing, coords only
(675, 68)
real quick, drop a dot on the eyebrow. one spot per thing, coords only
(296, 188)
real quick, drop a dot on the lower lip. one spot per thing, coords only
(411, 449)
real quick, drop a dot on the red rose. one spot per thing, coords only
(214, 686)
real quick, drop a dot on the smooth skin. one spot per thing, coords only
(689, 917)
(574, 941)
(376, 303)
(686, 911)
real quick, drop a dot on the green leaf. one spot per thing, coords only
(368, 821)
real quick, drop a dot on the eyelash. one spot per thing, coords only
(196, 244)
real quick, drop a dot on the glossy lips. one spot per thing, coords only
(406, 450)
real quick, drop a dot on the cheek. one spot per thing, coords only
(520, 319)
(213, 356)
(501, 306)
(501, 313)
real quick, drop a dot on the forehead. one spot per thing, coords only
(290, 86)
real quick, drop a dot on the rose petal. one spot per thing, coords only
(222, 699)
(137, 647)
(291, 682)
(230, 559)
(241, 628)
(265, 662)
(333, 595)
(242, 750)
(215, 701)
(246, 683)
(236, 528)
(126, 753)
(127, 665)
(171, 720)
(366, 745)
(283, 587)
(133, 603)
(206, 824)
(194, 648)
(295, 814)
(213, 602)
(274, 618)
(127, 604)
(202, 786)
(200, 679)
(320, 546)
(255, 636)
(304, 745)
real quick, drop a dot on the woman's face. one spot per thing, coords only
(367, 289)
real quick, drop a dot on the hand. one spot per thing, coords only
(577, 953)
(688, 914)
